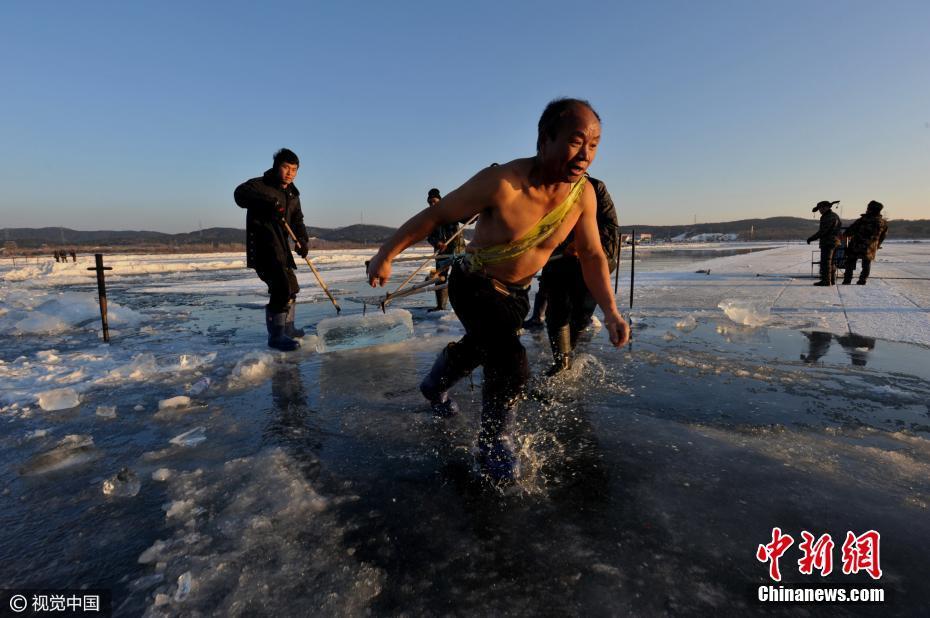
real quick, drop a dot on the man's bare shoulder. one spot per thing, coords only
(503, 181)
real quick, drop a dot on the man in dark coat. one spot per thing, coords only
(270, 200)
(829, 236)
(439, 239)
(570, 303)
(866, 236)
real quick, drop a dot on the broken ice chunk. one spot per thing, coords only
(181, 401)
(72, 450)
(162, 474)
(125, 484)
(106, 411)
(190, 438)
(184, 586)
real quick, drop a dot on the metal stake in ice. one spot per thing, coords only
(102, 293)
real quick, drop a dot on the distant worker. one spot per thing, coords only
(57, 256)
(570, 303)
(439, 238)
(73, 255)
(271, 200)
(829, 236)
(866, 236)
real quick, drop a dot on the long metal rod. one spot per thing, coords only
(617, 271)
(632, 266)
(391, 295)
(316, 274)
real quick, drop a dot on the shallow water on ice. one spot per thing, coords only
(649, 475)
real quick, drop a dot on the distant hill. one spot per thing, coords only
(57, 237)
(773, 228)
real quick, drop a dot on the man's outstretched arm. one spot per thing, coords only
(594, 269)
(463, 203)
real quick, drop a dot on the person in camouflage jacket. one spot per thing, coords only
(866, 236)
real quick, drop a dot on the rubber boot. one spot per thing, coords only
(276, 337)
(561, 342)
(442, 297)
(499, 395)
(447, 369)
(289, 329)
(847, 277)
(539, 312)
(860, 282)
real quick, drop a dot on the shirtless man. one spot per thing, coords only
(527, 208)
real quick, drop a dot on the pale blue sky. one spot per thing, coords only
(146, 115)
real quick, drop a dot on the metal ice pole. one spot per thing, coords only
(102, 293)
(632, 265)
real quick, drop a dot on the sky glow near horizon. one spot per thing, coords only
(146, 116)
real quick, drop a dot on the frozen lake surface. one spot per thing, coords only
(191, 470)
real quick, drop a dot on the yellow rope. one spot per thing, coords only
(543, 229)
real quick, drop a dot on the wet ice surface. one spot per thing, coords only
(320, 481)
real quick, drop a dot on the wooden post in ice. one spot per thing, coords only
(102, 293)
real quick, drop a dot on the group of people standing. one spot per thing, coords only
(541, 212)
(62, 256)
(864, 238)
(526, 210)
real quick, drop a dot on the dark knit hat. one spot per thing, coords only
(433, 193)
(824, 204)
(874, 206)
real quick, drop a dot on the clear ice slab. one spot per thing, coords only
(362, 331)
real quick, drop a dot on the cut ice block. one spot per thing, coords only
(745, 312)
(361, 331)
(58, 399)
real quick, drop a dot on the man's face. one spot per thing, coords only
(572, 151)
(432, 201)
(287, 172)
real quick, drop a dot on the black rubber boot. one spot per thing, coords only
(561, 342)
(499, 395)
(447, 369)
(442, 298)
(276, 337)
(289, 329)
(540, 303)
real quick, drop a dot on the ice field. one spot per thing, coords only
(194, 471)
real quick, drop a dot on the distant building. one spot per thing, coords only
(713, 237)
(627, 239)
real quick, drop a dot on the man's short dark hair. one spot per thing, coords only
(286, 156)
(434, 193)
(551, 120)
